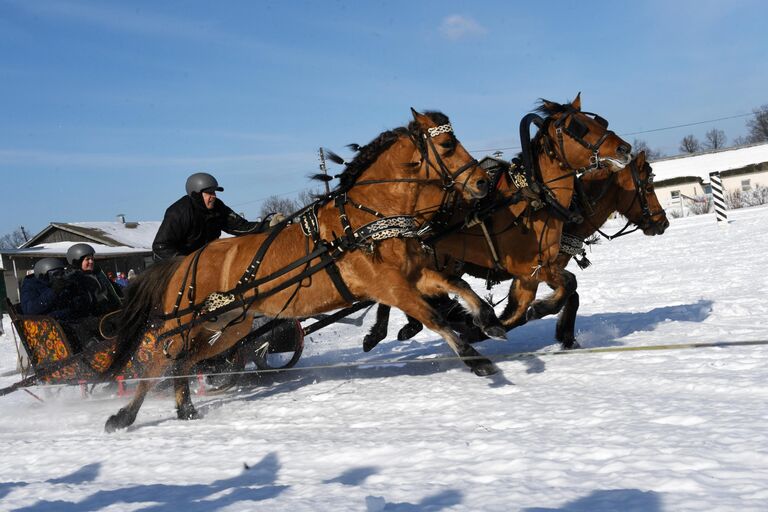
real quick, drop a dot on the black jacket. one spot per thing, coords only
(62, 300)
(188, 225)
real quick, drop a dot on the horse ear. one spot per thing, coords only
(576, 103)
(415, 114)
(640, 159)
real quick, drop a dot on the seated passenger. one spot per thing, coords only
(45, 292)
(103, 296)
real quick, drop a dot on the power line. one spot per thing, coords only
(518, 148)
(632, 133)
(688, 124)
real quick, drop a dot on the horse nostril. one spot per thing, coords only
(482, 187)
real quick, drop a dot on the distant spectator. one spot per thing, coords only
(121, 280)
(131, 274)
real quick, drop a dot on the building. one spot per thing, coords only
(682, 179)
(120, 246)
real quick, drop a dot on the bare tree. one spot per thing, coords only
(715, 139)
(308, 196)
(690, 144)
(639, 145)
(14, 239)
(739, 141)
(758, 125)
(277, 204)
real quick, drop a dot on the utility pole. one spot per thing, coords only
(324, 168)
(24, 234)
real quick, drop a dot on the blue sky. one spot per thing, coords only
(106, 107)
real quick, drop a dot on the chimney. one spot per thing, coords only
(121, 217)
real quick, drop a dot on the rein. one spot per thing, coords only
(364, 237)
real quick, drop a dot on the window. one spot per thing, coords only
(708, 189)
(675, 194)
(745, 186)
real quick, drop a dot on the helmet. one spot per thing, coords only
(201, 181)
(79, 251)
(45, 265)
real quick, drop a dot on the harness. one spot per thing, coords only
(328, 252)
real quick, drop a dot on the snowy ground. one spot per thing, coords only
(666, 430)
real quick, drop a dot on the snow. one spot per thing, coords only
(650, 430)
(140, 235)
(716, 161)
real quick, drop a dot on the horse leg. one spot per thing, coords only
(409, 330)
(127, 415)
(403, 296)
(566, 323)
(433, 283)
(564, 284)
(522, 291)
(378, 330)
(184, 408)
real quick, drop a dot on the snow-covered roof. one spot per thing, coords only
(59, 249)
(126, 234)
(700, 165)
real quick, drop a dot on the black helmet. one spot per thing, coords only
(77, 252)
(202, 181)
(45, 265)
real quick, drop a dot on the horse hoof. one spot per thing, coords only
(189, 414)
(113, 424)
(569, 345)
(369, 342)
(484, 369)
(496, 332)
(409, 331)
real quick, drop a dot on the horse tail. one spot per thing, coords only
(144, 295)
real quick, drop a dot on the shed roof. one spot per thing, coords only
(110, 234)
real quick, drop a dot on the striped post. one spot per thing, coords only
(718, 199)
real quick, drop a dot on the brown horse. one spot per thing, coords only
(515, 240)
(385, 195)
(629, 192)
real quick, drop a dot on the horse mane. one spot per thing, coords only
(550, 108)
(367, 155)
(144, 294)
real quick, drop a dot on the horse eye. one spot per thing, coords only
(577, 129)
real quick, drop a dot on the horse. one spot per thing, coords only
(520, 236)
(600, 194)
(385, 195)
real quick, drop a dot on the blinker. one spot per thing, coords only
(601, 121)
(577, 129)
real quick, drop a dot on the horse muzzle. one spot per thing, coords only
(615, 164)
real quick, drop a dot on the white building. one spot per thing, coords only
(685, 177)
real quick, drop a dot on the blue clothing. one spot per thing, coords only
(38, 298)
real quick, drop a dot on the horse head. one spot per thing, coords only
(440, 151)
(581, 141)
(637, 198)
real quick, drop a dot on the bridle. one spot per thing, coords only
(577, 130)
(448, 179)
(641, 196)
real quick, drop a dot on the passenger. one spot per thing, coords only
(103, 295)
(198, 218)
(45, 291)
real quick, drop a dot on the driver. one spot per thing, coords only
(199, 217)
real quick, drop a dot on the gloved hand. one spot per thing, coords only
(58, 285)
(276, 219)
